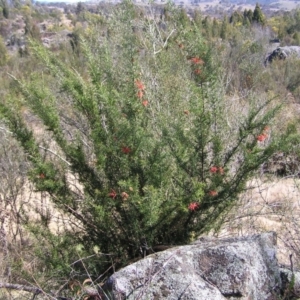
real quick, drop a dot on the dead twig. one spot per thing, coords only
(20, 287)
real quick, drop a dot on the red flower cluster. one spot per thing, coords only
(112, 194)
(140, 86)
(145, 103)
(213, 193)
(141, 89)
(124, 195)
(197, 60)
(193, 206)
(140, 94)
(215, 170)
(126, 150)
(261, 137)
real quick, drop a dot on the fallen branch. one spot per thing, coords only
(20, 287)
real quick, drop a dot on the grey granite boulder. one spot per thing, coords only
(283, 53)
(236, 268)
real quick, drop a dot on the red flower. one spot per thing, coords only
(112, 194)
(126, 150)
(197, 71)
(42, 176)
(221, 170)
(213, 170)
(140, 94)
(140, 86)
(145, 103)
(261, 137)
(197, 61)
(124, 195)
(213, 193)
(193, 206)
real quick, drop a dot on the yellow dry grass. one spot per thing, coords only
(269, 205)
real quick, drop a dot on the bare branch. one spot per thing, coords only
(12, 76)
(54, 153)
(165, 43)
(20, 287)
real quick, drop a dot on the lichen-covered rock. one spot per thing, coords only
(236, 268)
(283, 53)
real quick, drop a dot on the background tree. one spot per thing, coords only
(3, 53)
(258, 15)
(5, 8)
(224, 28)
(215, 28)
(248, 14)
(207, 27)
(31, 29)
(236, 17)
(80, 8)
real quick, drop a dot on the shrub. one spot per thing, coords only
(158, 152)
(3, 53)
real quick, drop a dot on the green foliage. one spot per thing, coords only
(5, 8)
(224, 28)
(293, 22)
(248, 17)
(285, 78)
(80, 8)
(31, 29)
(258, 15)
(237, 17)
(3, 53)
(248, 14)
(143, 130)
(287, 26)
(74, 41)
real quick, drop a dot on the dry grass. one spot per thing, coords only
(270, 204)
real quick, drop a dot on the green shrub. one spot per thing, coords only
(158, 152)
(3, 53)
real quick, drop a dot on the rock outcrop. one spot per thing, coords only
(235, 268)
(283, 53)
